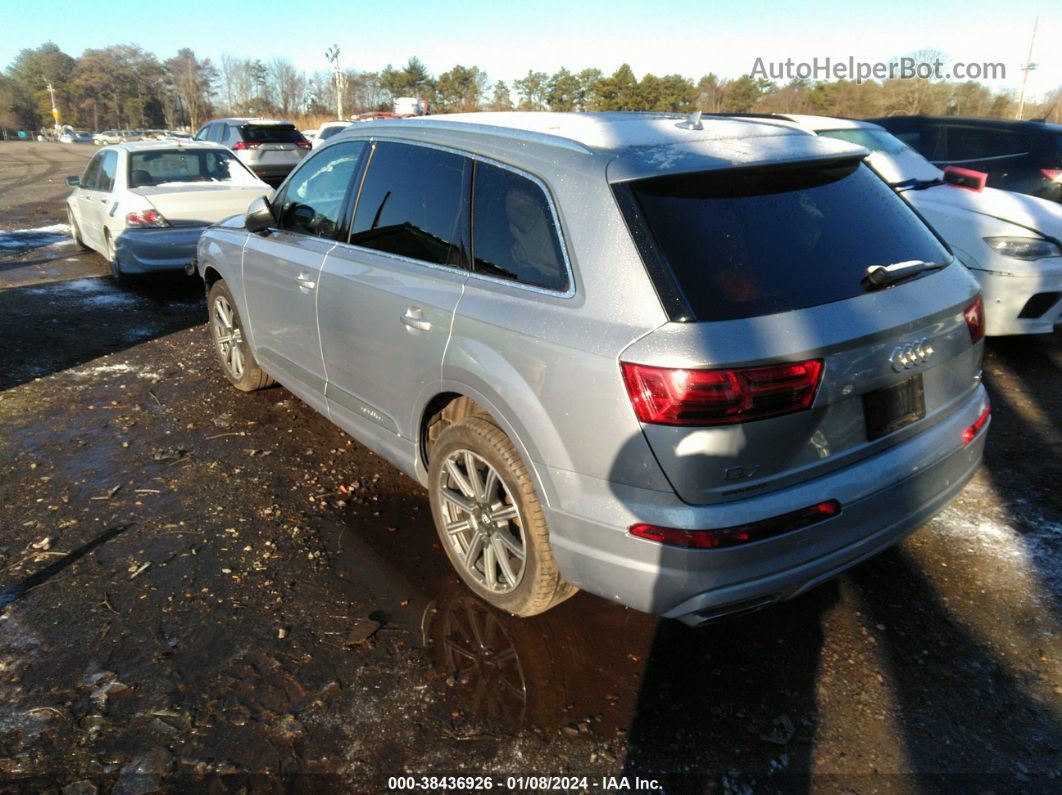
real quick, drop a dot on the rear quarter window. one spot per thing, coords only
(756, 242)
(513, 231)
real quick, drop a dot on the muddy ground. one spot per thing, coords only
(211, 591)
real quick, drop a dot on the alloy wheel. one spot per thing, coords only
(483, 522)
(228, 336)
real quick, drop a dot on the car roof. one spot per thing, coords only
(146, 146)
(248, 120)
(632, 144)
(1024, 125)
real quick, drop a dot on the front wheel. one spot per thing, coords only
(230, 343)
(490, 521)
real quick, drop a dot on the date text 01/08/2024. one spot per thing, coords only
(523, 783)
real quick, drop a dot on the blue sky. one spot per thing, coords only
(691, 38)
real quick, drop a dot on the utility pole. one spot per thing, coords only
(1028, 67)
(55, 110)
(332, 54)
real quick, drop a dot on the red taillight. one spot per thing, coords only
(740, 534)
(1053, 174)
(145, 218)
(971, 433)
(665, 396)
(303, 144)
(975, 320)
(245, 145)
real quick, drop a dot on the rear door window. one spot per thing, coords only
(972, 144)
(514, 235)
(756, 242)
(91, 176)
(413, 204)
(108, 169)
(312, 201)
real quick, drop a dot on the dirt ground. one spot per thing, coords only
(212, 591)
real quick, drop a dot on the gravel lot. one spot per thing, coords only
(210, 590)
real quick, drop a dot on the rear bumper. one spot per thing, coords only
(1006, 296)
(155, 250)
(884, 498)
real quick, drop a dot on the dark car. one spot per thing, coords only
(269, 148)
(1022, 156)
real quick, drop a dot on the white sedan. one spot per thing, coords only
(1011, 242)
(144, 205)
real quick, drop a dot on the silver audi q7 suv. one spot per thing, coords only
(691, 365)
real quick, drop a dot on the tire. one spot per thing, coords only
(497, 518)
(75, 232)
(230, 343)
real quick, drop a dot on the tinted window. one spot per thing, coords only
(328, 132)
(513, 233)
(92, 173)
(220, 133)
(270, 134)
(312, 200)
(108, 168)
(412, 204)
(971, 143)
(748, 243)
(186, 165)
(874, 140)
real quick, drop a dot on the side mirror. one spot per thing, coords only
(965, 178)
(259, 216)
(73, 182)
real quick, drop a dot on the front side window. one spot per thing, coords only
(413, 204)
(167, 166)
(92, 173)
(513, 233)
(973, 143)
(755, 242)
(108, 168)
(312, 201)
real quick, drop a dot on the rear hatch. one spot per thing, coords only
(782, 362)
(273, 144)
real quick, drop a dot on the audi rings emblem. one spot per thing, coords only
(910, 354)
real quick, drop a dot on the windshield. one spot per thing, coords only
(170, 166)
(745, 243)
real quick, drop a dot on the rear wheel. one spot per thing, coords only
(230, 343)
(490, 521)
(75, 232)
(121, 279)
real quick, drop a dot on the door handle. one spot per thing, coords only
(414, 319)
(305, 282)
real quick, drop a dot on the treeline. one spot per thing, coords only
(123, 86)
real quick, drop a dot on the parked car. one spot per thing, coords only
(691, 366)
(270, 148)
(144, 205)
(326, 131)
(1010, 241)
(75, 137)
(107, 137)
(1022, 156)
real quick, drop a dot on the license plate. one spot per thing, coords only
(894, 407)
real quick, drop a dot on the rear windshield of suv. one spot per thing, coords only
(270, 134)
(746, 243)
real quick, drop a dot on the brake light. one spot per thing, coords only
(245, 145)
(664, 396)
(740, 534)
(1053, 174)
(971, 433)
(975, 320)
(145, 218)
(303, 144)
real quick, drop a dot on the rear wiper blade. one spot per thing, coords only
(878, 277)
(916, 184)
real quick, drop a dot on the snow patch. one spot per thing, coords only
(122, 368)
(15, 241)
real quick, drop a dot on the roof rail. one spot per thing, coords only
(480, 128)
